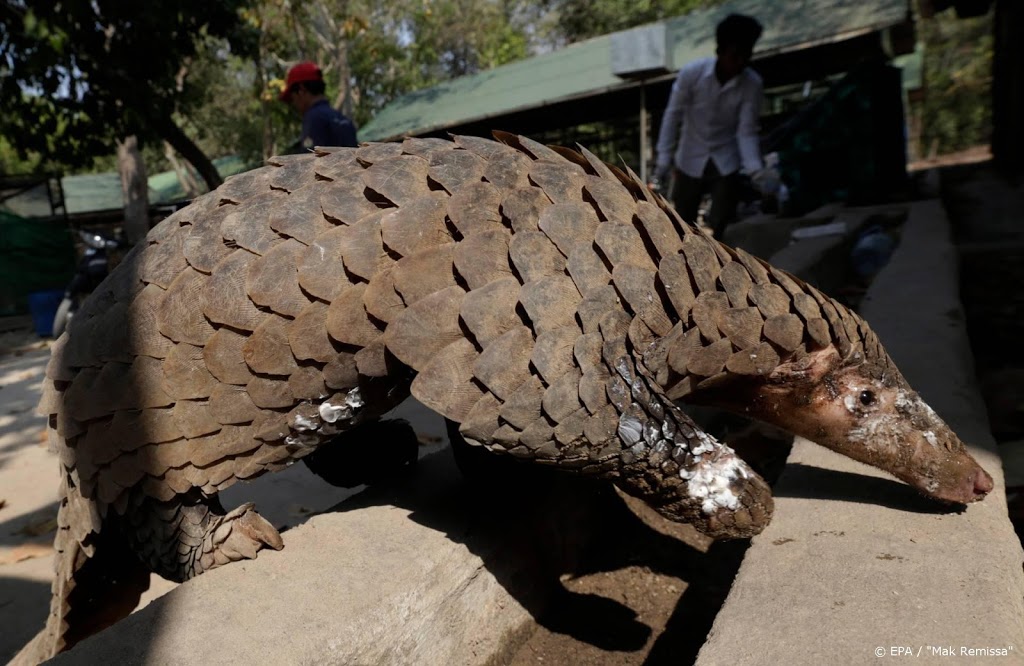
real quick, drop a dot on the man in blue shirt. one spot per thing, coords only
(322, 125)
(710, 127)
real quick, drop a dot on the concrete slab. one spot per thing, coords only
(1013, 462)
(760, 235)
(856, 566)
(428, 573)
(772, 238)
(765, 234)
(823, 262)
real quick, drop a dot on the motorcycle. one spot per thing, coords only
(95, 265)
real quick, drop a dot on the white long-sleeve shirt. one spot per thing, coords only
(705, 119)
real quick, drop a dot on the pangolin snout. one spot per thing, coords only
(972, 487)
(982, 483)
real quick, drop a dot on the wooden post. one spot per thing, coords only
(135, 189)
(644, 141)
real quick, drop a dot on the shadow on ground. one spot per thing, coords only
(811, 482)
(606, 579)
(29, 527)
(986, 208)
(24, 604)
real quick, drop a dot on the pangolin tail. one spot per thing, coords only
(97, 579)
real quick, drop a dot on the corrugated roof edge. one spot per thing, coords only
(99, 192)
(837, 20)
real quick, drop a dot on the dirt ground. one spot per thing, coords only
(664, 586)
(664, 583)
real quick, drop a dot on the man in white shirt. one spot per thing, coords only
(710, 127)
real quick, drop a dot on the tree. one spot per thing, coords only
(228, 115)
(78, 76)
(370, 51)
(11, 163)
(582, 19)
(957, 109)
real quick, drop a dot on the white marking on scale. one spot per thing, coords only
(711, 482)
(630, 430)
(305, 423)
(354, 399)
(330, 412)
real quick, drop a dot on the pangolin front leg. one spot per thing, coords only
(678, 469)
(184, 537)
(642, 442)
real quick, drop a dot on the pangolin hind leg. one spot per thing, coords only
(184, 537)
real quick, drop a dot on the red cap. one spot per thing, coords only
(300, 73)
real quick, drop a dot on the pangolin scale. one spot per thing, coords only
(547, 302)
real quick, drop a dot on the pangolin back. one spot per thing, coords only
(231, 340)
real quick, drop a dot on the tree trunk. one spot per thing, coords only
(173, 135)
(343, 101)
(134, 188)
(262, 78)
(186, 178)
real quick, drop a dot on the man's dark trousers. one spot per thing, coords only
(725, 195)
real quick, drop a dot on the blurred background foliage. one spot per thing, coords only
(82, 74)
(956, 111)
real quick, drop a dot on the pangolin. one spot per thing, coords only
(547, 303)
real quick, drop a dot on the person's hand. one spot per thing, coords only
(766, 180)
(659, 181)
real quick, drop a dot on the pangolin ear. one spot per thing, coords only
(809, 368)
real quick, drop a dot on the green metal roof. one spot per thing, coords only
(912, 65)
(88, 193)
(583, 69)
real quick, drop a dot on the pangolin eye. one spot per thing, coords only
(867, 398)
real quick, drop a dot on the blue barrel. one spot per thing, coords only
(43, 306)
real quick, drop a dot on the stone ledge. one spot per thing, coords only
(424, 572)
(854, 561)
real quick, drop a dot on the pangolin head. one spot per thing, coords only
(860, 405)
(868, 411)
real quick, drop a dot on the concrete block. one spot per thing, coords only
(856, 566)
(822, 261)
(423, 573)
(761, 235)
